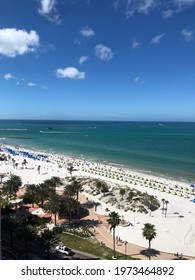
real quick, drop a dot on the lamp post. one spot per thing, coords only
(125, 248)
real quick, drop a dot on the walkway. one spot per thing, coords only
(102, 234)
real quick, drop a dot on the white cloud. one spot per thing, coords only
(135, 44)
(8, 76)
(131, 6)
(44, 87)
(15, 42)
(71, 73)
(146, 6)
(183, 3)
(86, 31)
(168, 13)
(83, 59)
(116, 4)
(17, 83)
(168, 8)
(103, 52)
(187, 34)
(138, 80)
(156, 40)
(176, 6)
(49, 11)
(31, 84)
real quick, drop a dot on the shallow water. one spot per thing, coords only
(164, 148)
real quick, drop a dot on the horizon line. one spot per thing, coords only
(96, 120)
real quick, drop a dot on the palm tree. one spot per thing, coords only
(49, 238)
(114, 221)
(122, 192)
(11, 224)
(53, 205)
(13, 161)
(39, 169)
(69, 190)
(102, 186)
(13, 184)
(70, 168)
(24, 163)
(53, 183)
(56, 181)
(70, 206)
(77, 187)
(42, 193)
(166, 203)
(27, 232)
(163, 208)
(31, 193)
(149, 232)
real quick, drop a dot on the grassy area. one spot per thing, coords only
(90, 246)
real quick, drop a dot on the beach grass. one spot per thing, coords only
(90, 246)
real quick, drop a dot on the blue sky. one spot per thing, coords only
(97, 59)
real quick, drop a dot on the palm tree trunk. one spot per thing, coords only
(69, 217)
(55, 218)
(11, 240)
(10, 193)
(26, 246)
(48, 251)
(77, 195)
(149, 249)
(114, 255)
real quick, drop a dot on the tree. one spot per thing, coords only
(69, 190)
(53, 205)
(149, 232)
(13, 184)
(122, 192)
(166, 203)
(11, 224)
(27, 232)
(24, 163)
(39, 169)
(13, 161)
(114, 220)
(151, 202)
(53, 183)
(49, 238)
(77, 187)
(69, 206)
(56, 181)
(70, 168)
(163, 207)
(42, 193)
(102, 186)
(31, 193)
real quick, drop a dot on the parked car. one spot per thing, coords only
(64, 250)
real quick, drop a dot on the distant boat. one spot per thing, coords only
(50, 128)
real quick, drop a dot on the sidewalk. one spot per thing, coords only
(102, 234)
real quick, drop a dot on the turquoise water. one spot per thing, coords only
(165, 148)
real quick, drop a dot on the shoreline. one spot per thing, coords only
(139, 168)
(63, 159)
(174, 234)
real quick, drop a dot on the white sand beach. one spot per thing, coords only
(175, 232)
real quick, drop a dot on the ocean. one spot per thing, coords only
(166, 148)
